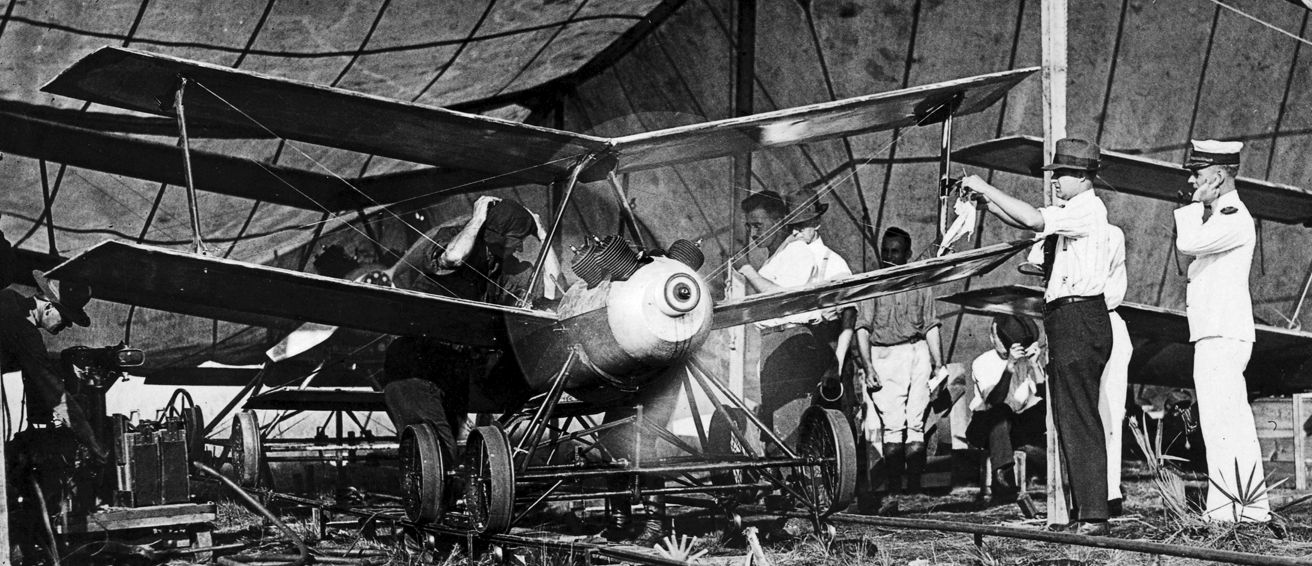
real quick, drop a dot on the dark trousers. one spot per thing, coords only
(793, 362)
(1079, 344)
(1000, 431)
(427, 381)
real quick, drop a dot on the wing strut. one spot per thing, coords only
(628, 210)
(192, 208)
(573, 181)
(944, 165)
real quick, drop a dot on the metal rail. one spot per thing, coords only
(1133, 545)
(499, 539)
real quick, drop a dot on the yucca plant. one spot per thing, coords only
(1167, 482)
(1251, 491)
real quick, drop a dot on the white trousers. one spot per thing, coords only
(1228, 430)
(904, 370)
(1111, 401)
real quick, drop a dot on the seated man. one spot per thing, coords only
(1007, 411)
(427, 379)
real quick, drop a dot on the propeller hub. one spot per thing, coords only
(682, 294)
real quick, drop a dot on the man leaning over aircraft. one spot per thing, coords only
(56, 306)
(427, 379)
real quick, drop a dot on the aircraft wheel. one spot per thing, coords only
(490, 486)
(721, 443)
(423, 473)
(247, 449)
(824, 433)
(193, 423)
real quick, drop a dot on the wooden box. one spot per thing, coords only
(1286, 447)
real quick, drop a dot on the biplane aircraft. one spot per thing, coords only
(614, 346)
(1282, 357)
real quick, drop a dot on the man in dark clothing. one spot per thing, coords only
(57, 306)
(427, 379)
(1075, 313)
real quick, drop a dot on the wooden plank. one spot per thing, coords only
(1300, 439)
(1144, 177)
(137, 80)
(815, 122)
(826, 294)
(155, 516)
(230, 290)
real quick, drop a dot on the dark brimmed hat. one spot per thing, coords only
(1075, 154)
(804, 205)
(1014, 329)
(1203, 153)
(70, 298)
(768, 200)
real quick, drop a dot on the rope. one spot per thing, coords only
(1260, 21)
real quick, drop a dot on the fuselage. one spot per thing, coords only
(622, 333)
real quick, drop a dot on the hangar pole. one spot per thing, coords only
(743, 94)
(1054, 128)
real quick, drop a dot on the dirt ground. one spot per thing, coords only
(1290, 535)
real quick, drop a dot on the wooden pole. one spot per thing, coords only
(4, 506)
(1054, 128)
(741, 183)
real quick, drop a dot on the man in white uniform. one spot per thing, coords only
(1115, 377)
(1217, 230)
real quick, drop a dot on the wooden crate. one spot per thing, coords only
(1286, 448)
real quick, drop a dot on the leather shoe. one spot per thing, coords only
(1094, 528)
(1116, 507)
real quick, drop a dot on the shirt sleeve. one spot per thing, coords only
(1069, 221)
(865, 314)
(792, 267)
(928, 311)
(1223, 232)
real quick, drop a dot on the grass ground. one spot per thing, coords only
(865, 545)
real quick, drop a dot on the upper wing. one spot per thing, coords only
(1162, 352)
(217, 95)
(256, 294)
(1141, 176)
(826, 294)
(38, 138)
(146, 82)
(916, 106)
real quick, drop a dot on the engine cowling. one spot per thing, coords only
(626, 331)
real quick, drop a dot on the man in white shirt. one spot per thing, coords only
(1116, 376)
(784, 242)
(1217, 230)
(1006, 409)
(1075, 314)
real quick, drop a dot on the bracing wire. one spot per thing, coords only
(802, 207)
(362, 193)
(1260, 21)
